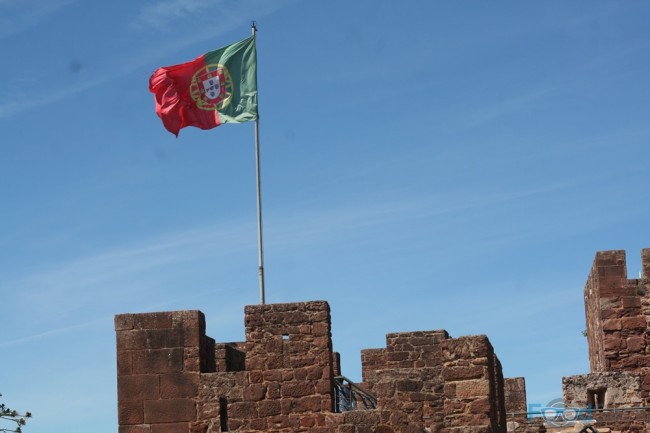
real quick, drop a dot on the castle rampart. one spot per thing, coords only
(617, 311)
(172, 378)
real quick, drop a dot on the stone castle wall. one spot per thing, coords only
(172, 378)
(617, 311)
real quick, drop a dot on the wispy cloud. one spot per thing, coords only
(19, 15)
(145, 271)
(159, 15)
(498, 109)
(214, 16)
(105, 276)
(49, 333)
(17, 104)
(207, 18)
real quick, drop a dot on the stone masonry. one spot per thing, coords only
(617, 312)
(172, 378)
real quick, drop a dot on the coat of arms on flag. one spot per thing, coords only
(211, 87)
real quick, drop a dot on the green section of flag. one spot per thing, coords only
(240, 59)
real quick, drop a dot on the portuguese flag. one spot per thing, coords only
(217, 87)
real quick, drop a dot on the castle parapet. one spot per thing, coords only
(172, 378)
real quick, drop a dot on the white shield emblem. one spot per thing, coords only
(212, 87)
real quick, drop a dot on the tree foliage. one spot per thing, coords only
(16, 420)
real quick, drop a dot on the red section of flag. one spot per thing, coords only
(174, 104)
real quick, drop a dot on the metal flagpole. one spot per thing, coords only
(259, 195)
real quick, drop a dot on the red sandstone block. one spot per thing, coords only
(188, 319)
(272, 375)
(467, 347)
(384, 389)
(130, 339)
(191, 337)
(137, 387)
(152, 320)
(308, 404)
(323, 387)
(358, 417)
(299, 389)
(323, 342)
(124, 363)
(158, 360)
(465, 372)
(278, 422)
(123, 321)
(636, 344)
(137, 339)
(273, 390)
(612, 344)
(268, 408)
(397, 356)
(258, 424)
(179, 385)
(300, 374)
(612, 271)
(631, 301)
(130, 412)
(321, 328)
(472, 388)
(254, 392)
(612, 325)
(408, 385)
(419, 396)
(315, 372)
(243, 410)
(255, 377)
(609, 258)
(191, 359)
(481, 405)
(452, 407)
(169, 411)
(164, 338)
(609, 313)
(181, 427)
(308, 421)
(614, 286)
(637, 322)
(208, 409)
(144, 428)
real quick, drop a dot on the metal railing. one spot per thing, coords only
(590, 417)
(350, 396)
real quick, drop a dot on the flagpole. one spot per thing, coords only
(259, 196)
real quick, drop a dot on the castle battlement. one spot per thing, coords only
(285, 377)
(172, 378)
(617, 311)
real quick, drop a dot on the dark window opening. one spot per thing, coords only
(223, 413)
(596, 398)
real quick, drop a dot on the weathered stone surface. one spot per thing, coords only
(138, 387)
(169, 411)
(172, 378)
(617, 311)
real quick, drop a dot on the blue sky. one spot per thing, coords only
(425, 165)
